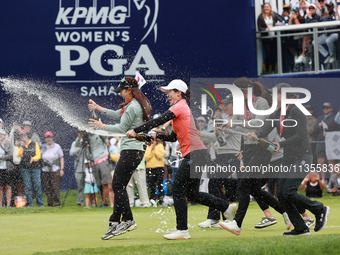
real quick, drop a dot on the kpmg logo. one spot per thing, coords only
(239, 105)
(107, 36)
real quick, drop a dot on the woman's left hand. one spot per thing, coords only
(131, 134)
(61, 173)
(96, 124)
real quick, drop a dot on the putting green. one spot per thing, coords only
(29, 230)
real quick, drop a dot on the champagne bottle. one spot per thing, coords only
(93, 112)
(143, 138)
(94, 115)
(267, 144)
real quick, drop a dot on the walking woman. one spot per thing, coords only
(132, 113)
(193, 151)
(297, 154)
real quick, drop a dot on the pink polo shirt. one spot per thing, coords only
(184, 127)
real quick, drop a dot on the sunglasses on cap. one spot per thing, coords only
(310, 8)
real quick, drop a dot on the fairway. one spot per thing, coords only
(41, 230)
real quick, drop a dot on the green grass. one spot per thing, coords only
(75, 230)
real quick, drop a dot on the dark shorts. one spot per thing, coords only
(6, 178)
(320, 150)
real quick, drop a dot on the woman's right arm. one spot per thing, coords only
(107, 112)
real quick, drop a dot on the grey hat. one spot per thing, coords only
(27, 123)
(201, 118)
(152, 132)
(1, 120)
(279, 86)
(327, 104)
(2, 132)
(243, 83)
(228, 99)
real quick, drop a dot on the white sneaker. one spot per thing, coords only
(231, 226)
(178, 235)
(327, 60)
(153, 202)
(309, 222)
(300, 59)
(229, 214)
(287, 221)
(331, 60)
(209, 223)
(266, 222)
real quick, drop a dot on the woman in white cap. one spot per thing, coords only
(133, 112)
(193, 151)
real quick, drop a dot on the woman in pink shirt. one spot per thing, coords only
(193, 151)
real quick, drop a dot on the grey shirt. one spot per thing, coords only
(131, 118)
(98, 146)
(79, 157)
(232, 140)
(259, 104)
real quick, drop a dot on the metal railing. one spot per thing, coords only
(314, 29)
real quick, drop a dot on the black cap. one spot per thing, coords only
(125, 85)
(228, 99)
(309, 107)
(330, 4)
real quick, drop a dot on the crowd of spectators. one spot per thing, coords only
(26, 163)
(297, 50)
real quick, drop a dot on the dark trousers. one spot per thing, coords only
(294, 202)
(255, 155)
(270, 46)
(216, 185)
(155, 178)
(126, 165)
(51, 182)
(185, 186)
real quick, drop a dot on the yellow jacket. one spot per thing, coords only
(154, 157)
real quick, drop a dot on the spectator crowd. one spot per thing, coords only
(297, 49)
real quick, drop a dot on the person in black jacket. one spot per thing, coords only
(265, 21)
(325, 123)
(298, 156)
(30, 155)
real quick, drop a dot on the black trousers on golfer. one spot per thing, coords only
(293, 201)
(126, 165)
(255, 155)
(184, 186)
(216, 184)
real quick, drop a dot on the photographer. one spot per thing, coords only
(78, 153)
(97, 152)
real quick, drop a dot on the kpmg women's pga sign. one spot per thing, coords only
(97, 35)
